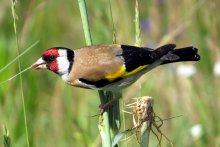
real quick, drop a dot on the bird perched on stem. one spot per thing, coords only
(109, 67)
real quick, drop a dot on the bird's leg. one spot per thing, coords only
(116, 96)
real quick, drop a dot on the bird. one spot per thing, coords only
(109, 67)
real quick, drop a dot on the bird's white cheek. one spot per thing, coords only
(63, 65)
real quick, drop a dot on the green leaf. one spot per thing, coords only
(119, 136)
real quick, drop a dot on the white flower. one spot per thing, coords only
(196, 131)
(216, 69)
(186, 70)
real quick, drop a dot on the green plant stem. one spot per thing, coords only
(85, 22)
(145, 132)
(104, 127)
(137, 26)
(6, 138)
(146, 127)
(19, 66)
(112, 21)
(19, 56)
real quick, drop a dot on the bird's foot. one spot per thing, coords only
(105, 106)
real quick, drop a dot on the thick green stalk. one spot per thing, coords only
(104, 125)
(85, 22)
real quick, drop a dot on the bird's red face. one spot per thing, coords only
(48, 60)
(55, 59)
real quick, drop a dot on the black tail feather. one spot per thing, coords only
(195, 57)
(161, 51)
(187, 51)
(181, 54)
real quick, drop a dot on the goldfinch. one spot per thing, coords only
(109, 67)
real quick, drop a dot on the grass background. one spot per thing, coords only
(60, 115)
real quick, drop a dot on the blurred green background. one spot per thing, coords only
(60, 115)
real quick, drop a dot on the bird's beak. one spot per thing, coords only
(39, 64)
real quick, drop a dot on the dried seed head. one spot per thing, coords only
(142, 105)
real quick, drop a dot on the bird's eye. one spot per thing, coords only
(49, 59)
(52, 58)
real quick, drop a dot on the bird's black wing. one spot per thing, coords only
(141, 56)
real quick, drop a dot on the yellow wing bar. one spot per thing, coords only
(126, 74)
(121, 73)
(116, 74)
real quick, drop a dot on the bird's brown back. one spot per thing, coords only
(95, 62)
